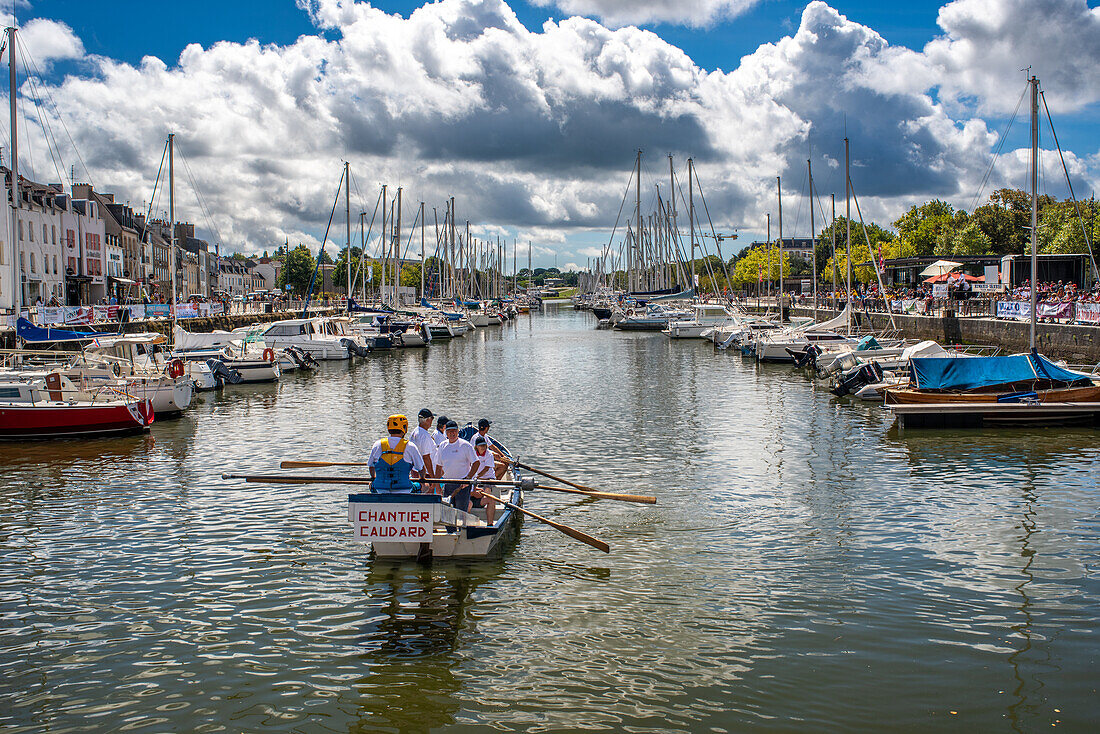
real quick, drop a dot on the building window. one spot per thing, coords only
(55, 264)
(32, 262)
(53, 234)
(45, 236)
(21, 231)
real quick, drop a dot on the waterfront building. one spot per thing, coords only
(234, 278)
(83, 246)
(266, 274)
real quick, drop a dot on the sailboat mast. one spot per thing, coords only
(347, 217)
(768, 253)
(16, 198)
(1034, 201)
(397, 249)
(813, 234)
(832, 236)
(636, 250)
(382, 251)
(172, 225)
(848, 237)
(691, 218)
(779, 191)
(422, 261)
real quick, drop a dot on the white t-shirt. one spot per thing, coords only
(440, 437)
(423, 441)
(455, 458)
(411, 455)
(487, 469)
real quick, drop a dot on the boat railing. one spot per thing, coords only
(974, 350)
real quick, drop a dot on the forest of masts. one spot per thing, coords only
(457, 266)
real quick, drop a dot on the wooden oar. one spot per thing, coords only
(577, 488)
(288, 479)
(571, 532)
(548, 475)
(297, 479)
(307, 464)
(640, 498)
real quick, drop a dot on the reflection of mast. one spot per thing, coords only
(1029, 526)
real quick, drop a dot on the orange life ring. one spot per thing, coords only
(269, 355)
(175, 368)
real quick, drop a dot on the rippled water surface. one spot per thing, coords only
(805, 568)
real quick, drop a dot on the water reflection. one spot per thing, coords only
(412, 643)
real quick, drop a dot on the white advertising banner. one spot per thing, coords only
(1013, 310)
(1088, 313)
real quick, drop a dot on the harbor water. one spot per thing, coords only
(806, 566)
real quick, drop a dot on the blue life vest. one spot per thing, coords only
(391, 471)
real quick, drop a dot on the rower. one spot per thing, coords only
(457, 462)
(421, 437)
(440, 432)
(485, 470)
(502, 461)
(392, 459)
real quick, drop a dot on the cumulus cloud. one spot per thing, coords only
(986, 43)
(533, 131)
(50, 41)
(695, 13)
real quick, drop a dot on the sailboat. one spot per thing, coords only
(1022, 388)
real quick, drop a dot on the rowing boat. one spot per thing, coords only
(425, 526)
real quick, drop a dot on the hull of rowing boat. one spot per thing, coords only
(1089, 394)
(454, 534)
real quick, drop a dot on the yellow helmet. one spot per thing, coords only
(397, 423)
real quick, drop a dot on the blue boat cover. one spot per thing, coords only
(867, 342)
(425, 304)
(32, 334)
(968, 373)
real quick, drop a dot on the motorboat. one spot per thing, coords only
(48, 404)
(654, 317)
(704, 316)
(138, 364)
(317, 336)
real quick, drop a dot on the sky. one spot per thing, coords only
(531, 113)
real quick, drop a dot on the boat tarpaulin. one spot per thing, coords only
(32, 334)
(969, 373)
(681, 296)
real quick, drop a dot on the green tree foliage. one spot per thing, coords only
(297, 270)
(1060, 229)
(754, 263)
(970, 240)
(884, 245)
(924, 229)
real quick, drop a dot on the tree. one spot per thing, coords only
(755, 264)
(971, 240)
(1060, 229)
(297, 271)
(922, 229)
(884, 246)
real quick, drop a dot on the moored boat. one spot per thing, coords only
(49, 405)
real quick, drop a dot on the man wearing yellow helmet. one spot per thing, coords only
(392, 459)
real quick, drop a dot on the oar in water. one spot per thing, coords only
(640, 498)
(548, 475)
(571, 532)
(288, 479)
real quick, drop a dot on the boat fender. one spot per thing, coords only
(269, 355)
(175, 368)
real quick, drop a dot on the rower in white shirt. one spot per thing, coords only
(457, 461)
(421, 437)
(486, 469)
(440, 432)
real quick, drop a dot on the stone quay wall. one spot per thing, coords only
(1074, 343)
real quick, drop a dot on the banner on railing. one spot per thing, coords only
(105, 313)
(987, 287)
(1053, 310)
(51, 315)
(79, 315)
(157, 310)
(186, 311)
(1013, 310)
(1088, 313)
(217, 308)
